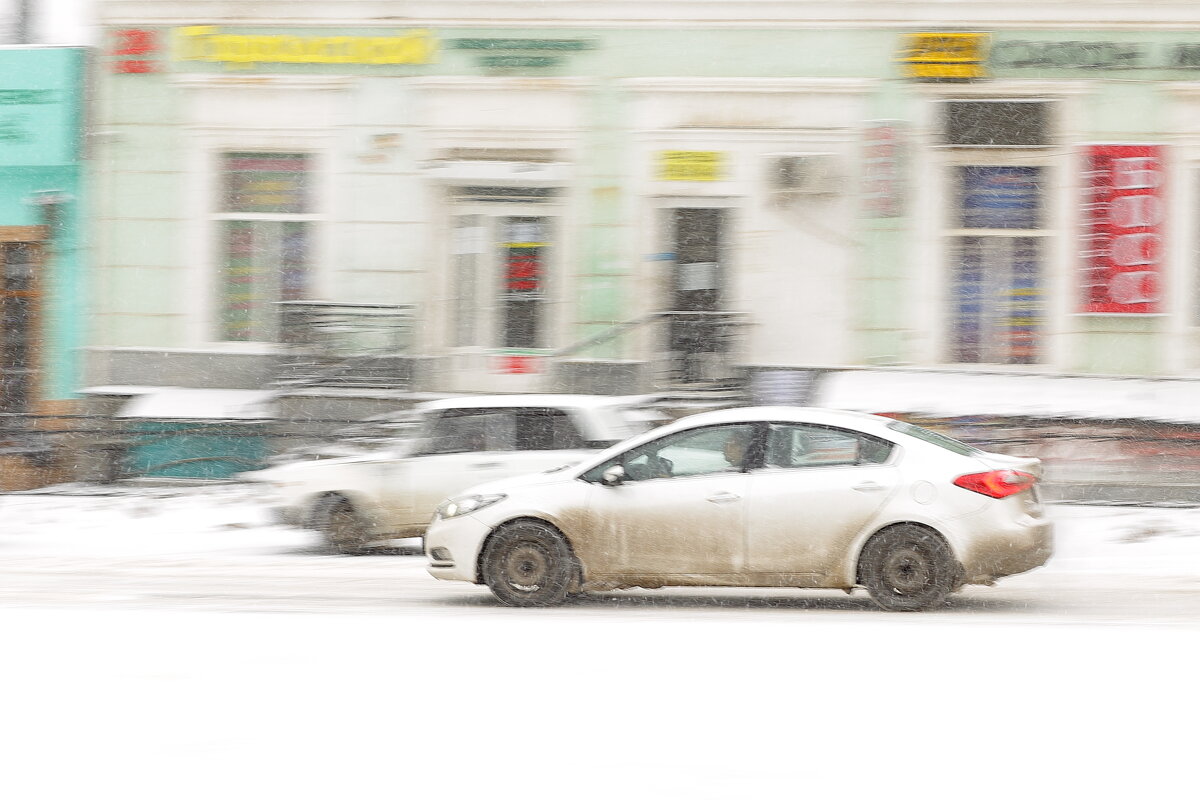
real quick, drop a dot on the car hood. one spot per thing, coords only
(509, 485)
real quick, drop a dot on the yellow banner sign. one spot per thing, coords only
(690, 165)
(943, 56)
(208, 43)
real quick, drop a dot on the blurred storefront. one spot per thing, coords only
(508, 197)
(42, 275)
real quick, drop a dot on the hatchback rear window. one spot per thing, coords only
(941, 440)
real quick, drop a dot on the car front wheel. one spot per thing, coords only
(528, 563)
(907, 568)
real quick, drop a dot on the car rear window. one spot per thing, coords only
(941, 440)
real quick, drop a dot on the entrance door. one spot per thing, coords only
(697, 288)
(19, 298)
(498, 281)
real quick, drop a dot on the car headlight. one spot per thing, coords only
(467, 504)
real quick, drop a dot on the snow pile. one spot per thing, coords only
(959, 394)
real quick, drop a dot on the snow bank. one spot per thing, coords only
(963, 394)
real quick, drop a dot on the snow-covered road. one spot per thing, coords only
(138, 663)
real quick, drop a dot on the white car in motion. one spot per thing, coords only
(754, 497)
(368, 497)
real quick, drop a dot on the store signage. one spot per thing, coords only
(690, 165)
(1110, 55)
(134, 51)
(521, 44)
(943, 56)
(531, 53)
(882, 170)
(516, 364)
(1122, 242)
(209, 43)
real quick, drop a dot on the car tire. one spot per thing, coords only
(528, 564)
(907, 568)
(341, 527)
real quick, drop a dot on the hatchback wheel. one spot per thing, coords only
(528, 564)
(907, 568)
(341, 526)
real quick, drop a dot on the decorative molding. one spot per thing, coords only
(212, 81)
(753, 85)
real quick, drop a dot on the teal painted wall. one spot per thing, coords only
(42, 153)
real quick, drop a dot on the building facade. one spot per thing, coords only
(499, 197)
(42, 259)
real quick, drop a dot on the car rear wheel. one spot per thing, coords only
(528, 564)
(907, 568)
(340, 525)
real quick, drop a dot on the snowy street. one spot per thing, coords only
(171, 643)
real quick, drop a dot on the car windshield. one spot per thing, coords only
(941, 440)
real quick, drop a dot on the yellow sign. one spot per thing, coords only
(943, 56)
(690, 165)
(207, 43)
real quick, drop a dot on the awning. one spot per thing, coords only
(169, 402)
(965, 394)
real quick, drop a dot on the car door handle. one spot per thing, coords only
(869, 486)
(723, 497)
(486, 465)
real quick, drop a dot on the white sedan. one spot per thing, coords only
(766, 497)
(366, 497)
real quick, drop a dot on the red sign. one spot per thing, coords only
(882, 179)
(522, 269)
(134, 50)
(516, 365)
(1122, 247)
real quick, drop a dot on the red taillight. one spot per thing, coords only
(997, 483)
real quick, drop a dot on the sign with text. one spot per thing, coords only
(1121, 247)
(690, 165)
(943, 56)
(246, 51)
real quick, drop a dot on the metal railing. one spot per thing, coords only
(345, 344)
(680, 349)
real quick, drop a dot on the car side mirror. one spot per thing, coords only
(613, 476)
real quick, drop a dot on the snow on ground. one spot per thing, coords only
(234, 518)
(483, 702)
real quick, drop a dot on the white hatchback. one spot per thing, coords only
(754, 497)
(364, 497)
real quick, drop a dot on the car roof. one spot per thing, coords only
(810, 414)
(533, 400)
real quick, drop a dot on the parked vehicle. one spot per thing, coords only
(759, 497)
(366, 495)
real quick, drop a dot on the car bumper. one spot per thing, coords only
(1022, 545)
(453, 545)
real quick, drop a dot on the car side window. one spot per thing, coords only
(547, 429)
(471, 431)
(792, 446)
(705, 451)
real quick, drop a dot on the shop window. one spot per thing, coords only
(19, 301)
(265, 241)
(997, 266)
(997, 123)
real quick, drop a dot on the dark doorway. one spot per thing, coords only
(696, 327)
